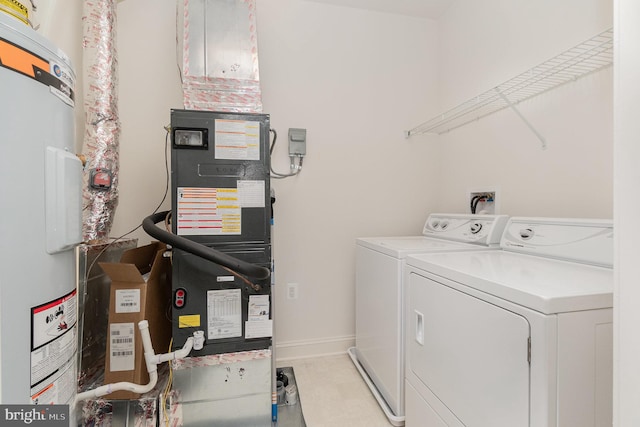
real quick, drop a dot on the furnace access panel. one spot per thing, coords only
(221, 199)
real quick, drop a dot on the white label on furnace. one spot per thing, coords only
(258, 307)
(259, 329)
(128, 301)
(224, 313)
(251, 194)
(237, 139)
(258, 324)
(122, 347)
(208, 211)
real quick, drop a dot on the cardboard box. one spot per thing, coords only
(140, 289)
(93, 305)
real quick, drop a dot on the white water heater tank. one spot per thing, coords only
(41, 223)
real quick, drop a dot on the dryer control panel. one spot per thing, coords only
(588, 241)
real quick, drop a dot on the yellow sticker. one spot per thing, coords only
(15, 9)
(191, 321)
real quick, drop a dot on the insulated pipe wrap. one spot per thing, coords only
(101, 141)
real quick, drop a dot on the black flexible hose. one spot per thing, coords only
(210, 254)
(474, 203)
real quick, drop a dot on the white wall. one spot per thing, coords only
(627, 205)
(483, 44)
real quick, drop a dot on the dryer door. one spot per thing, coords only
(473, 355)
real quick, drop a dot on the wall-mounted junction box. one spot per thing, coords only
(483, 201)
(297, 142)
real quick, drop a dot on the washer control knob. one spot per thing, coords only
(476, 227)
(526, 233)
(435, 223)
(444, 225)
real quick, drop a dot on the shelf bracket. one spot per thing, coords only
(523, 118)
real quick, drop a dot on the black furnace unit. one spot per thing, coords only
(221, 199)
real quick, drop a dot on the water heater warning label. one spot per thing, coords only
(208, 211)
(53, 350)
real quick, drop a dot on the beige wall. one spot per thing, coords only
(356, 80)
(61, 22)
(149, 86)
(483, 44)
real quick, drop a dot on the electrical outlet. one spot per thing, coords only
(292, 291)
(483, 201)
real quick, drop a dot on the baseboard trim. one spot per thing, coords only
(302, 349)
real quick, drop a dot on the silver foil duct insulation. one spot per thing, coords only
(218, 45)
(102, 126)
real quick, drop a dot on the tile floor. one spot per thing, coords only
(333, 393)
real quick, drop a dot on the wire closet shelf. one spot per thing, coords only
(588, 57)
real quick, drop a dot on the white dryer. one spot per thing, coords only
(379, 350)
(517, 337)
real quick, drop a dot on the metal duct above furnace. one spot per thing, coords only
(218, 49)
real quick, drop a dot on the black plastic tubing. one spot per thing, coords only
(210, 254)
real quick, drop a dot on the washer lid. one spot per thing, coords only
(401, 247)
(542, 284)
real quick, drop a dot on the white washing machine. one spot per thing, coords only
(379, 350)
(517, 337)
